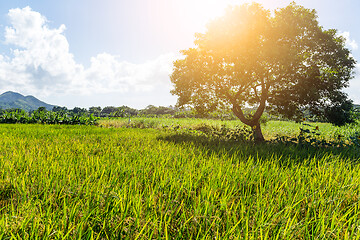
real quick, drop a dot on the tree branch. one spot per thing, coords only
(240, 114)
(261, 108)
(256, 95)
(241, 90)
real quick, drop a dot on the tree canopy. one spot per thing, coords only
(282, 60)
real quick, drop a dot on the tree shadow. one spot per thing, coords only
(285, 153)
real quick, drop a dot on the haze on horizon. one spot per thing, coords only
(87, 53)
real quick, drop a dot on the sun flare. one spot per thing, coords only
(203, 10)
(200, 12)
(195, 14)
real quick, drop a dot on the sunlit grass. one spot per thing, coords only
(270, 129)
(74, 182)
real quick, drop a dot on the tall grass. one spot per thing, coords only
(86, 182)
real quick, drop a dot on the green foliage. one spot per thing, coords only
(340, 113)
(59, 109)
(284, 61)
(355, 139)
(153, 110)
(123, 111)
(184, 114)
(310, 136)
(223, 133)
(41, 115)
(79, 111)
(95, 111)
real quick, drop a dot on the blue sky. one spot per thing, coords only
(120, 52)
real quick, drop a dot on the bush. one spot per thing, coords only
(224, 133)
(46, 117)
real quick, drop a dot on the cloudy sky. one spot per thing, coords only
(120, 52)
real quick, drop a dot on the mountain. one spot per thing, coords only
(16, 100)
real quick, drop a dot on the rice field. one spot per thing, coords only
(112, 182)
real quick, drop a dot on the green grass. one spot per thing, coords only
(270, 130)
(87, 182)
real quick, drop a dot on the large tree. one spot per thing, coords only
(282, 60)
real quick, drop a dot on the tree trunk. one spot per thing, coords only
(258, 136)
(253, 123)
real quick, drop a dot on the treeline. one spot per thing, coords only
(111, 111)
(152, 111)
(77, 115)
(149, 111)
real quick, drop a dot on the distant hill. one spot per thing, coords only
(16, 100)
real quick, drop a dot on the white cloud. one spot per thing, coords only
(105, 68)
(42, 64)
(354, 85)
(349, 42)
(353, 90)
